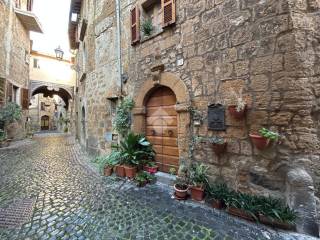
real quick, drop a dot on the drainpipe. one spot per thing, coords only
(119, 46)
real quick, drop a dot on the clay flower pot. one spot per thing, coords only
(275, 223)
(180, 193)
(120, 171)
(130, 171)
(235, 114)
(197, 193)
(219, 148)
(218, 204)
(259, 141)
(107, 171)
(240, 213)
(151, 170)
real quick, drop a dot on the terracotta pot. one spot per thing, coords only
(151, 170)
(259, 141)
(235, 114)
(120, 171)
(218, 204)
(197, 193)
(180, 194)
(130, 171)
(275, 223)
(107, 171)
(240, 213)
(219, 148)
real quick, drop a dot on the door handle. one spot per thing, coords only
(170, 133)
(153, 132)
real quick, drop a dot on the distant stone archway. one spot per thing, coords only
(50, 89)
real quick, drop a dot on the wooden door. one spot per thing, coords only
(162, 128)
(45, 123)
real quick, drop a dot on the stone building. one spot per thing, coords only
(52, 83)
(198, 54)
(17, 20)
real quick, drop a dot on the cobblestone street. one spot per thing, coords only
(71, 201)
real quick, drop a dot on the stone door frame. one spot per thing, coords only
(182, 107)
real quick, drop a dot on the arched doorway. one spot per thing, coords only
(45, 122)
(83, 122)
(162, 127)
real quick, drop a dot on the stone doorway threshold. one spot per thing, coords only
(165, 178)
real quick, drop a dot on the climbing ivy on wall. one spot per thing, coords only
(122, 120)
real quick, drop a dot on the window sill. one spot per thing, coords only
(147, 38)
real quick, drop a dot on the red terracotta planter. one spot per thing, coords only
(130, 171)
(240, 213)
(107, 171)
(180, 194)
(120, 171)
(219, 148)
(275, 223)
(218, 204)
(235, 114)
(197, 193)
(151, 170)
(259, 141)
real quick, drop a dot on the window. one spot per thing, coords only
(36, 63)
(15, 95)
(29, 5)
(155, 16)
(42, 106)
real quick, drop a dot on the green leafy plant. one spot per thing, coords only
(238, 100)
(216, 140)
(269, 134)
(122, 120)
(172, 171)
(143, 177)
(147, 27)
(151, 164)
(9, 113)
(219, 191)
(2, 135)
(136, 149)
(110, 160)
(198, 175)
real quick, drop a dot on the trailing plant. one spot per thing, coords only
(122, 120)
(198, 175)
(216, 140)
(110, 160)
(9, 113)
(269, 134)
(147, 27)
(135, 149)
(237, 100)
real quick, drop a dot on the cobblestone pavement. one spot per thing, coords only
(71, 201)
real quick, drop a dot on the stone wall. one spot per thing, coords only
(269, 50)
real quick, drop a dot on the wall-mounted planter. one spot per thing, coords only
(219, 148)
(239, 115)
(259, 141)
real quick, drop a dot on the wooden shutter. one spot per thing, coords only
(2, 91)
(9, 91)
(24, 98)
(168, 12)
(135, 25)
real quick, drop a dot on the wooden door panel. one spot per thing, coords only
(161, 111)
(155, 102)
(171, 151)
(154, 131)
(158, 149)
(170, 132)
(162, 121)
(171, 160)
(167, 141)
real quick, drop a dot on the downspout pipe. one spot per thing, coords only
(119, 63)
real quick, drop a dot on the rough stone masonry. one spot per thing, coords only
(268, 49)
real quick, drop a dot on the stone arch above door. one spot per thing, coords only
(182, 108)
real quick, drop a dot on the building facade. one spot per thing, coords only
(17, 20)
(197, 57)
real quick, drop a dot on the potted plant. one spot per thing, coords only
(147, 27)
(3, 139)
(107, 163)
(219, 145)
(238, 106)
(134, 149)
(151, 167)
(199, 179)
(143, 178)
(262, 140)
(218, 194)
(181, 184)
(10, 113)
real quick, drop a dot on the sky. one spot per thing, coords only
(54, 17)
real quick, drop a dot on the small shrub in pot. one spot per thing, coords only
(198, 179)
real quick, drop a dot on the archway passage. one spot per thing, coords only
(45, 122)
(162, 127)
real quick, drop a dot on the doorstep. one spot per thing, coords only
(165, 178)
